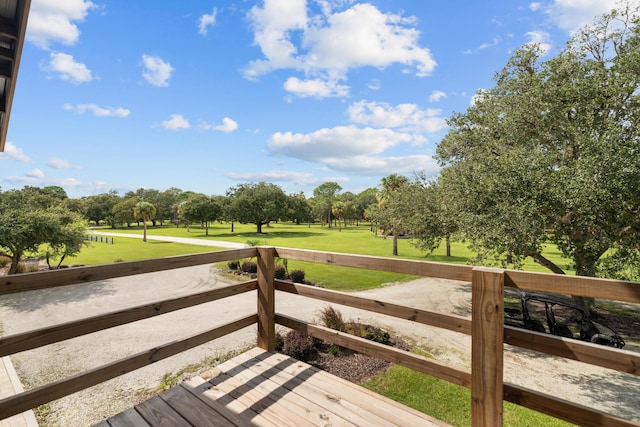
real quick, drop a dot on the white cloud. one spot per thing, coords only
(176, 122)
(541, 38)
(535, 6)
(35, 173)
(156, 71)
(14, 153)
(437, 95)
(57, 163)
(53, 21)
(97, 110)
(571, 15)
(376, 166)
(228, 125)
(206, 21)
(68, 68)
(338, 142)
(325, 47)
(300, 178)
(316, 88)
(407, 117)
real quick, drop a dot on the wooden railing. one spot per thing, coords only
(486, 327)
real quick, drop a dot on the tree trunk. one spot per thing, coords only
(232, 226)
(144, 237)
(395, 244)
(447, 240)
(206, 228)
(15, 260)
(259, 227)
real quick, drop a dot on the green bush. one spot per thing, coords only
(297, 276)
(249, 267)
(280, 272)
(233, 265)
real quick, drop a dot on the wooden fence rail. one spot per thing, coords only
(488, 333)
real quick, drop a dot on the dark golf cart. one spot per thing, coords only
(561, 316)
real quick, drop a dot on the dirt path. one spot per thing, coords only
(590, 386)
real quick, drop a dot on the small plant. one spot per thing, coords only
(3, 261)
(119, 260)
(249, 267)
(233, 265)
(297, 276)
(280, 272)
(298, 345)
(333, 350)
(253, 242)
(332, 318)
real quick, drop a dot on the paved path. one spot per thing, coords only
(186, 240)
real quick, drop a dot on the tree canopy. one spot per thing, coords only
(32, 221)
(550, 154)
(258, 203)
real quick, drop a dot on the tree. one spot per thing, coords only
(30, 219)
(549, 155)
(258, 203)
(144, 211)
(201, 208)
(324, 196)
(123, 211)
(298, 209)
(339, 209)
(390, 214)
(99, 208)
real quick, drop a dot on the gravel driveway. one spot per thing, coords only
(588, 385)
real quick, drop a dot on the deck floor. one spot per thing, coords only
(259, 388)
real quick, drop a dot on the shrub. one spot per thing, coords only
(250, 267)
(298, 345)
(233, 265)
(280, 272)
(297, 276)
(20, 268)
(332, 318)
(4, 261)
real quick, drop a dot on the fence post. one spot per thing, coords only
(487, 348)
(266, 298)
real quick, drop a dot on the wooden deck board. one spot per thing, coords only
(258, 388)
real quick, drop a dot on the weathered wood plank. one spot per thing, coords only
(71, 276)
(287, 391)
(57, 389)
(355, 404)
(221, 403)
(594, 354)
(128, 418)
(395, 265)
(487, 349)
(159, 414)
(40, 337)
(193, 409)
(591, 287)
(361, 345)
(439, 320)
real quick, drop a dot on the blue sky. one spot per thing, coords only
(204, 95)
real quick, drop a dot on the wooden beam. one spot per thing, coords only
(439, 320)
(39, 396)
(266, 299)
(16, 343)
(7, 54)
(487, 348)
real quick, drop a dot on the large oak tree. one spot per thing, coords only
(551, 154)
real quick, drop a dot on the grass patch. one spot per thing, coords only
(446, 401)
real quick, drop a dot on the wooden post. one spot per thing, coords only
(266, 299)
(487, 348)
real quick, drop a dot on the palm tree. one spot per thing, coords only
(144, 211)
